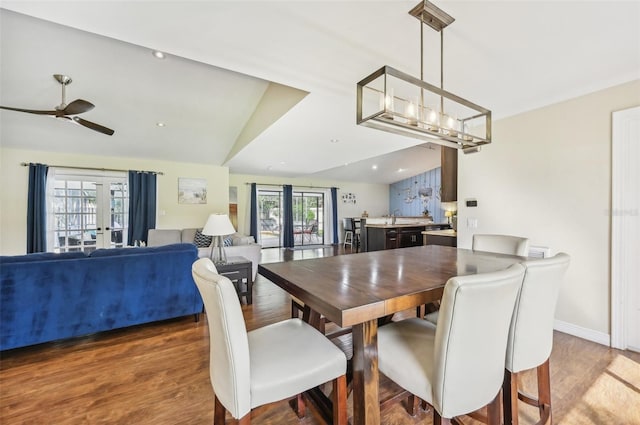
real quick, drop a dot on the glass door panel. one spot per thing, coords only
(308, 218)
(119, 214)
(270, 218)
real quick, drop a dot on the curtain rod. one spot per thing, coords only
(279, 185)
(26, 164)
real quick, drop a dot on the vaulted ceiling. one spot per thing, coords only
(268, 87)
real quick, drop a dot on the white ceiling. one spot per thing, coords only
(508, 56)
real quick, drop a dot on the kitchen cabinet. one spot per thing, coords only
(448, 174)
(389, 236)
(410, 236)
(447, 237)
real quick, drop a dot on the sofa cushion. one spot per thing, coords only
(200, 240)
(40, 256)
(239, 239)
(158, 237)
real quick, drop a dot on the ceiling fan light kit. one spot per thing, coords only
(393, 101)
(68, 111)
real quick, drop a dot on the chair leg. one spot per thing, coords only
(510, 398)
(439, 420)
(301, 407)
(412, 404)
(340, 400)
(493, 411)
(544, 393)
(219, 412)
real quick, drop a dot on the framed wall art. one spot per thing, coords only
(192, 191)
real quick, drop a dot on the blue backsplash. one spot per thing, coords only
(412, 195)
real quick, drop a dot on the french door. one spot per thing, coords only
(87, 212)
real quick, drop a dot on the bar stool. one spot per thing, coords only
(349, 232)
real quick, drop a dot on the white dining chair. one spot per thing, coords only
(269, 364)
(501, 244)
(531, 335)
(458, 366)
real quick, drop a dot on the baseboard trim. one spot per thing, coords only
(584, 333)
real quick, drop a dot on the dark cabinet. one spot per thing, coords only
(391, 239)
(379, 238)
(448, 174)
(410, 237)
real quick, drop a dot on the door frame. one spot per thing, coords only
(624, 212)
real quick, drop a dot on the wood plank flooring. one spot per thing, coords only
(159, 374)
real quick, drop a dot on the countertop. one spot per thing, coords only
(403, 225)
(446, 232)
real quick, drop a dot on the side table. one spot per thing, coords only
(238, 270)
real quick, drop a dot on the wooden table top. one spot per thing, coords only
(354, 288)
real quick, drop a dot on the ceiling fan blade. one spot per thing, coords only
(93, 126)
(78, 106)
(30, 111)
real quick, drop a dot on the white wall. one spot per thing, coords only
(547, 176)
(15, 179)
(374, 198)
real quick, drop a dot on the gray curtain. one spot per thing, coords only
(287, 205)
(334, 214)
(253, 226)
(37, 209)
(142, 205)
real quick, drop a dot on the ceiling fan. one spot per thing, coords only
(70, 111)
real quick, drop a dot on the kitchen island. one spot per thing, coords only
(386, 233)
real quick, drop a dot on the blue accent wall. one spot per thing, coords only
(410, 196)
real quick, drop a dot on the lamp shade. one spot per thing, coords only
(218, 225)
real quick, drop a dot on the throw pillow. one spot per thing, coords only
(228, 241)
(202, 241)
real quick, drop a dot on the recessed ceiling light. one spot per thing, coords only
(374, 167)
(160, 124)
(158, 54)
(334, 140)
(400, 170)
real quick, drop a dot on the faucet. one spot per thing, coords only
(393, 216)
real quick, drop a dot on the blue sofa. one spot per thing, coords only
(47, 296)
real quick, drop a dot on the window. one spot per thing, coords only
(86, 211)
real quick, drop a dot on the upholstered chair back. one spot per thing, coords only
(531, 332)
(471, 339)
(229, 346)
(501, 244)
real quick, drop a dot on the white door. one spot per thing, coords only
(625, 224)
(86, 211)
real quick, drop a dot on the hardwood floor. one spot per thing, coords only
(159, 374)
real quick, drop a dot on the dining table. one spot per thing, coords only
(356, 290)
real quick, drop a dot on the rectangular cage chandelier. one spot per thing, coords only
(393, 101)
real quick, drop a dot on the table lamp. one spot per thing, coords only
(218, 225)
(448, 214)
